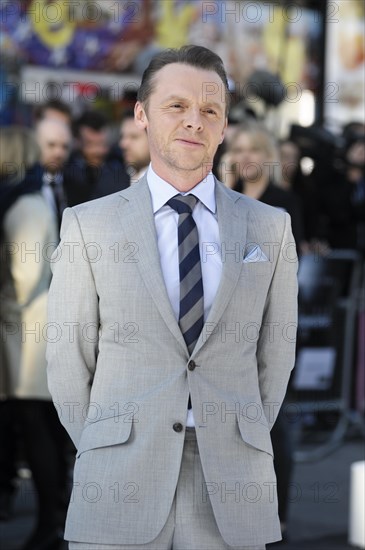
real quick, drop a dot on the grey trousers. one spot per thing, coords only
(191, 524)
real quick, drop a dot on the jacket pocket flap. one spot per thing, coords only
(255, 434)
(104, 433)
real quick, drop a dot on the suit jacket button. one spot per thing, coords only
(191, 365)
(177, 427)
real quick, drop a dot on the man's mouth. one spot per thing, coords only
(189, 142)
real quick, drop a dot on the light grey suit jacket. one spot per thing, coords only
(117, 368)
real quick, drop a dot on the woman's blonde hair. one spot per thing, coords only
(19, 151)
(263, 140)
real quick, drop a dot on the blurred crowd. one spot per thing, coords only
(62, 162)
(326, 200)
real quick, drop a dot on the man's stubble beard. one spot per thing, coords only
(172, 159)
(53, 168)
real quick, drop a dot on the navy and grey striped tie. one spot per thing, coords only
(191, 313)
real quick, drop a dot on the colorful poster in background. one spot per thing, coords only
(73, 34)
(260, 35)
(117, 35)
(344, 97)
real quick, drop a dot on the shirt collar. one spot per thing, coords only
(162, 191)
(56, 178)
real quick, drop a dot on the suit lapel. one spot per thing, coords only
(232, 232)
(137, 219)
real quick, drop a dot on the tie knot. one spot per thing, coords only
(183, 204)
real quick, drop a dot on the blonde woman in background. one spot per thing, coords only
(29, 234)
(251, 166)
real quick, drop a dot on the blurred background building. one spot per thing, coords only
(94, 51)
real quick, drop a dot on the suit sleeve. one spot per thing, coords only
(74, 315)
(277, 339)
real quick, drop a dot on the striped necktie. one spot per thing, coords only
(191, 312)
(59, 199)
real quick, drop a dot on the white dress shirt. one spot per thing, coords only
(166, 222)
(47, 191)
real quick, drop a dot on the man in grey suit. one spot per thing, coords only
(172, 318)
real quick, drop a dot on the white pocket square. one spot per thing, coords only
(255, 255)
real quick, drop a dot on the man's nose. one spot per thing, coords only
(193, 120)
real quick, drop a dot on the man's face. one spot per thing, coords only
(185, 119)
(134, 144)
(55, 143)
(93, 145)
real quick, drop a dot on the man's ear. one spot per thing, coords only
(140, 116)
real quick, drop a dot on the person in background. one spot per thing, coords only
(342, 197)
(54, 139)
(292, 179)
(290, 164)
(18, 154)
(29, 232)
(134, 145)
(55, 109)
(93, 170)
(355, 159)
(251, 166)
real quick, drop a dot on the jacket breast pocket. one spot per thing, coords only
(106, 432)
(255, 433)
(253, 283)
(252, 270)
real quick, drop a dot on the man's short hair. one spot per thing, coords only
(56, 105)
(90, 119)
(195, 56)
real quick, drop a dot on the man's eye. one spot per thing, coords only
(211, 111)
(176, 105)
